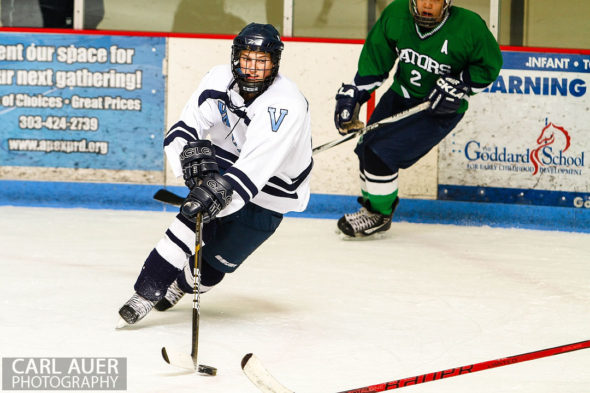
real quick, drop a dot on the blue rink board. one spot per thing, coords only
(139, 197)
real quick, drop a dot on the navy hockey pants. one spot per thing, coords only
(403, 143)
(228, 241)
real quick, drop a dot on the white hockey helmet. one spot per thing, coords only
(429, 22)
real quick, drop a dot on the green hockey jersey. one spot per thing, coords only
(461, 46)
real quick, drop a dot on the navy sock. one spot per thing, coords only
(155, 277)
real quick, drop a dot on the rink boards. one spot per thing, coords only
(84, 110)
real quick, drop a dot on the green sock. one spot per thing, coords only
(381, 203)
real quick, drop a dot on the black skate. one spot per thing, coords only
(365, 222)
(134, 310)
(173, 296)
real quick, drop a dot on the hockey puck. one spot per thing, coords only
(212, 371)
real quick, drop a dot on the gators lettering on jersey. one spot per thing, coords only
(461, 46)
(263, 148)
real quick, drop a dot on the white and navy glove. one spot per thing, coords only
(209, 198)
(348, 103)
(445, 98)
(198, 161)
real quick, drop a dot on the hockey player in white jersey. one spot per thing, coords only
(243, 146)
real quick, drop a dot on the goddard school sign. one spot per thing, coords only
(40, 373)
(524, 139)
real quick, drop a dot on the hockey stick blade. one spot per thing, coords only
(168, 197)
(185, 361)
(178, 359)
(260, 377)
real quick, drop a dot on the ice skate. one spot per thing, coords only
(134, 310)
(173, 296)
(365, 222)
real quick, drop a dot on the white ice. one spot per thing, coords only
(323, 314)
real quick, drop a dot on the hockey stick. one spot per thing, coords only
(260, 377)
(165, 196)
(397, 117)
(179, 359)
(171, 198)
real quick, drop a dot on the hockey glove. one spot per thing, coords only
(446, 96)
(209, 198)
(198, 161)
(348, 103)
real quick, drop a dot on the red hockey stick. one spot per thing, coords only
(260, 377)
(453, 372)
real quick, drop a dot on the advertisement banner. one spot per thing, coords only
(525, 139)
(82, 101)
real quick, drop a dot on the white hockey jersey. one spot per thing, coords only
(263, 149)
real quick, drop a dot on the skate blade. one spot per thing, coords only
(121, 324)
(376, 236)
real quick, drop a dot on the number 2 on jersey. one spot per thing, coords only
(415, 79)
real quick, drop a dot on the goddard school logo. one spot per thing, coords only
(553, 135)
(551, 155)
(64, 374)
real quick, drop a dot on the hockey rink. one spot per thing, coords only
(323, 314)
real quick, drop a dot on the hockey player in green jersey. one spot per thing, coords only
(444, 54)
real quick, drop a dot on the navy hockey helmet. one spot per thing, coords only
(261, 38)
(429, 22)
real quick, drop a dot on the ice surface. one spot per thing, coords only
(323, 314)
